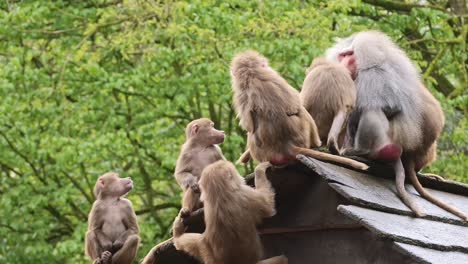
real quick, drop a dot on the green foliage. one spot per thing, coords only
(93, 86)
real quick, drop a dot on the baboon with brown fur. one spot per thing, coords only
(199, 150)
(329, 95)
(112, 236)
(278, 126)
(232, 212)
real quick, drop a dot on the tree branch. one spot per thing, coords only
(447, 41)
(15, 150)
(9, 168)
(85, 175)
(401, 6)
(158, 207)
(444, 85)
(144, 97)
(77, 211)
(431, 66)
(78, 186)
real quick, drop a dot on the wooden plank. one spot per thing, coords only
(303, 200)
(414, 231)
(427, 255)
(379, 193)
(333, 246)
(384, 170)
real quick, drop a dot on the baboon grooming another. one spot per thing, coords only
(329, 95)
(278, 126)
(199, 150)
(396, 118)
(232, 212)
(112, 236)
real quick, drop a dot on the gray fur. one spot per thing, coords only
(387, 78)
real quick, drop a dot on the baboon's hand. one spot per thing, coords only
(333, 145)
(184, 213)
(178, 228)
(106, 257)
(117, 245)
(195, 187)
(263, 166)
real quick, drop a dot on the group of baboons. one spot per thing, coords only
(364, 98)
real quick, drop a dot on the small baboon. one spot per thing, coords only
(396, 118)
(199, 150)
(329, 95)
(270, 110)
(112, 235)
(232, 212)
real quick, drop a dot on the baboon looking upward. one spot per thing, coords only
(112, 236)
(278, 126)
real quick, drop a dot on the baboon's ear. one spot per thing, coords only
(194, 130)
(101, 182)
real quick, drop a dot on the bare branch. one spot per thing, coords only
(401, 6)
(447, 41)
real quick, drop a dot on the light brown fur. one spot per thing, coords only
(232, 212)
(112, 235)
(199, 150)
(328, 94)
(278, 126)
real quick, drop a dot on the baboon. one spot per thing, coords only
(232, 212)
(278, 126)
(112, 235)
(199, 150)
(329, 95)
(396, 118)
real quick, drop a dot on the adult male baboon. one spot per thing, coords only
(396, 117)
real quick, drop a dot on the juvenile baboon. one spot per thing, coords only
(396, 117)
(199, 150)
(112, 235)
(329, 95)
(278, 126)
(232, 212)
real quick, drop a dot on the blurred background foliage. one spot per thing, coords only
(92, 86)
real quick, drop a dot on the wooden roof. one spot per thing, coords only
(376, 206)
(362, 200)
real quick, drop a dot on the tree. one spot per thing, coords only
(93, 86)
